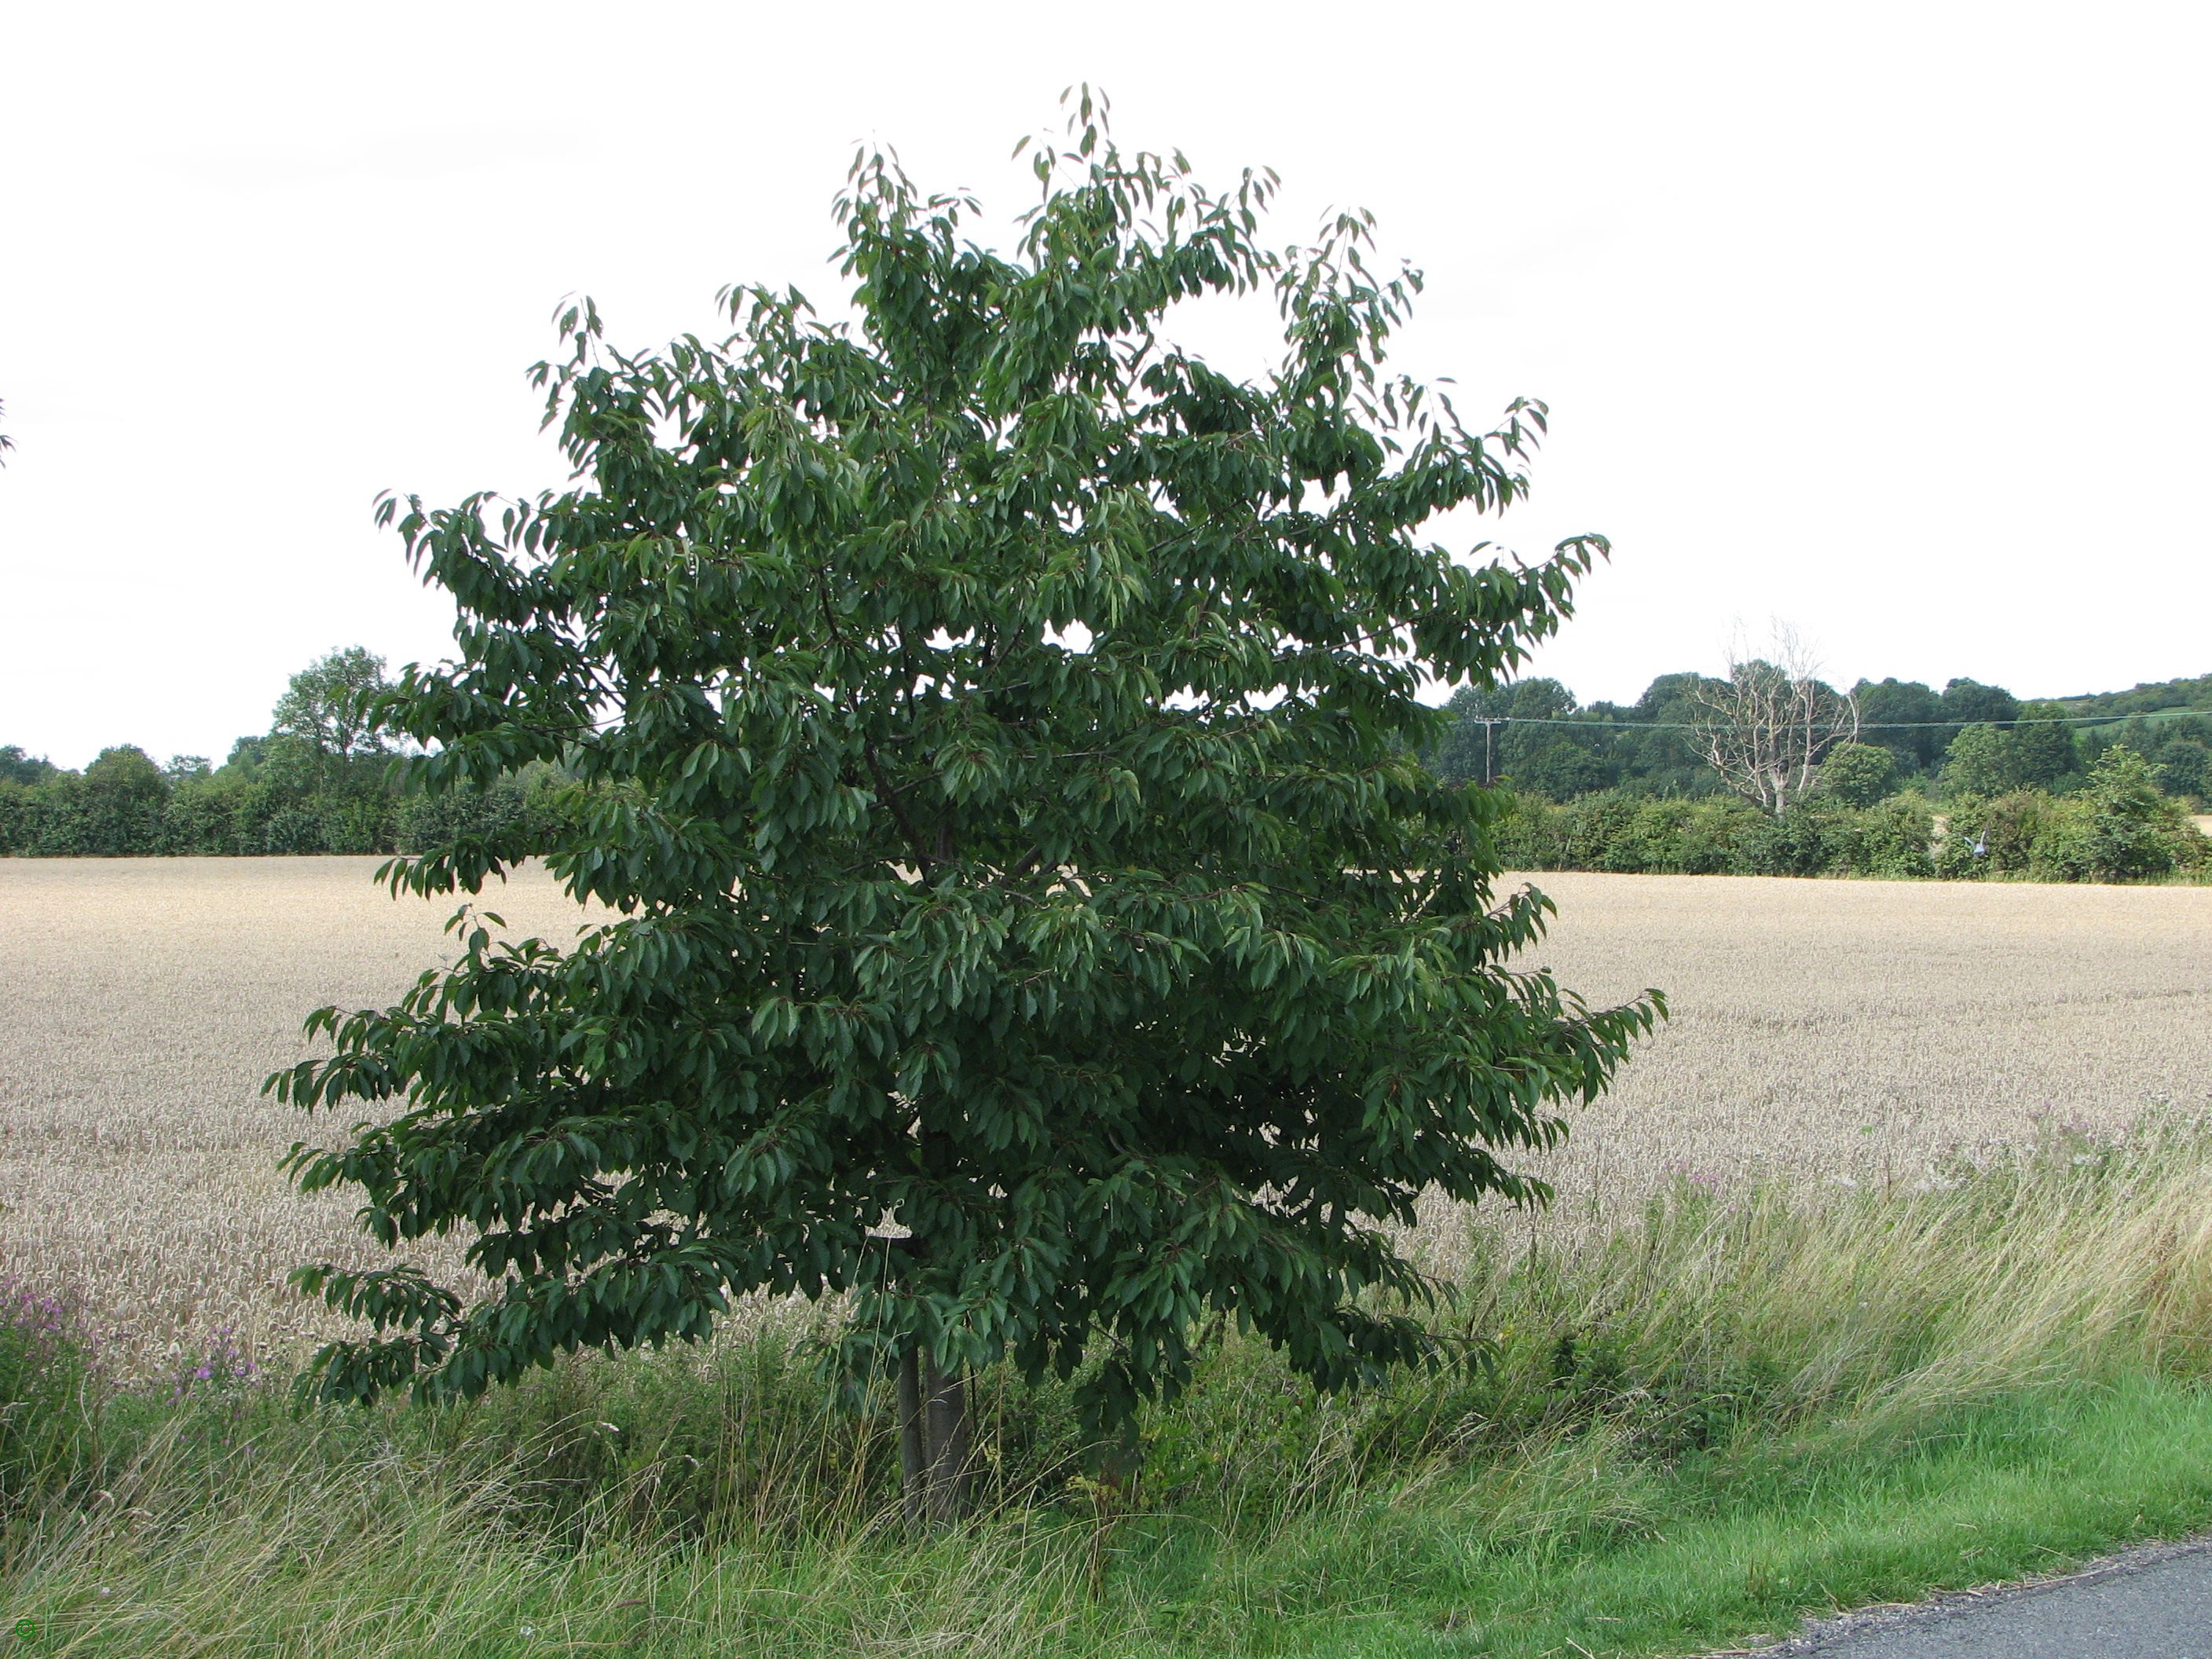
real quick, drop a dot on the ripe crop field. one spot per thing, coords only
(1822, 1031)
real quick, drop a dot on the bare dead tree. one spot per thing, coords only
(1766, 727)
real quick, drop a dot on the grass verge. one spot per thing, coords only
(1689, 1433)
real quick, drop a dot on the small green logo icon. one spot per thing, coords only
(26, 1630)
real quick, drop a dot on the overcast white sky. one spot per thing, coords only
(1888, 320)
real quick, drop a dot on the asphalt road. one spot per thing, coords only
(2151, 1603)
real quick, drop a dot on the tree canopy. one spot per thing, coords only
(329, 705)
(1032, 916)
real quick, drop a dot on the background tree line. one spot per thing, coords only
(2082, 788)
(323, 777)
(2118, 826)
(1773, 772)
(1968, 739)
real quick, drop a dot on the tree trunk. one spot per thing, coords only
(933, 1441)
(913, 1448)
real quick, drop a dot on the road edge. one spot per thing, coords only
(1824, 1632)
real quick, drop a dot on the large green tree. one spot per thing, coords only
(1982, 761)
(2042, 746)
(1858, 774)
(1905, 717)
(330, 705)
(1032, 916)
(1513, 732)
(1969, 703)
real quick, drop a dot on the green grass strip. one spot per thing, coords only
(1724, 1552)
(1624, 1558)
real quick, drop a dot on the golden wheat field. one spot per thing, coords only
(1821, 1030)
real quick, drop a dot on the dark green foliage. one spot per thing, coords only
(1498, 731)
(16, 766)
(1641, 835)
(2011, 833)
(277, 797)
(2133, 831)
(2119, 828)
(2147, 734)
(1531, 735)
(1982, 761)
(1969, 703)
(1534, 737)
(328, 705)
(326, 779)
(2183, 766)
(1000, 732)
(2044, 752)
(120, 801)
(1988, 760)
(536, 806)
(1891, 839)
(1858, 774)
(1903, 716)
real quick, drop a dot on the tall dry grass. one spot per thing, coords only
(1749, 1333)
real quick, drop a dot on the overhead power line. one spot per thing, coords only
(1864, 725)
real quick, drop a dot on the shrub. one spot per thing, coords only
(1528, 837)
(1890, 838)
(1718, 835)
(1799, 842)
(19, 817)
(2134, 831)
(1857, 774)
(2119, 828)
(1999, 835)
(540, 800)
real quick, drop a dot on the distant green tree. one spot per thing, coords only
(1498, 731)
(122, 800)
(1983, 760)
(1969, 703)
(16, 766)
(1653, 747)
(2184, 767)
(126, 774)
(1858, 774)
(1559, 767)
(1670, 697)
(1905, 717)
(291, 763)
(1030, 918)
(2042, 749)
(329, 705)
(2146, 699)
